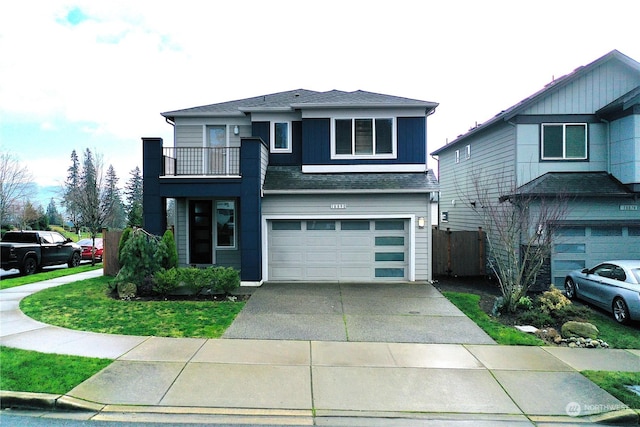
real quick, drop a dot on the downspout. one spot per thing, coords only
(172, 123)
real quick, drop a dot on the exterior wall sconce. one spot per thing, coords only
(236, 130)
(421, 222)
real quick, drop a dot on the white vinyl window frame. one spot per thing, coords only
(373, 118)
(457, 154)
(272, 137)
(564, 155)
(218, 206)
(467, 152)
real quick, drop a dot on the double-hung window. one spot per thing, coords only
(281, 137)
(564, 141)
(364, 137)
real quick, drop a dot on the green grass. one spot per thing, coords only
(31, 371)
(615, 334)
(505, 335)
(614, 384)
(84, 305)
(45, 275)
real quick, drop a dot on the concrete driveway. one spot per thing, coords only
(372, 312)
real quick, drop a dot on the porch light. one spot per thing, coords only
(421, 222)
(236, 130)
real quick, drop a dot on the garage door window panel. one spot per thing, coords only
(634, 231)
(355, 225)
(390, 225)
(390, 272)
(389, 241)
(606, 231)
(570, 248)
(571, 232)
(569, 264)
(321, 225)
(286, 225)
(389, 256)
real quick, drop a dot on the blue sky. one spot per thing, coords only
(97, 74)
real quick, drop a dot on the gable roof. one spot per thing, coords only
(554, 86)
(291, 179)
(575, 184)
(300, 99)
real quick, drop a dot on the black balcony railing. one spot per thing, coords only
(208, 161)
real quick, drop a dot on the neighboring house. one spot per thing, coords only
(298, 186)
(579, 136)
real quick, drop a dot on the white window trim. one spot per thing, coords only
(457, 156)
(564, 141)
(272, 139)
(467, 152)
(235, 225)
(394, 139)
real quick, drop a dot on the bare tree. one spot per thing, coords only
(520, 227)
(16, 185)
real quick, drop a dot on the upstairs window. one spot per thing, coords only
(364, 137)
(564, 141)
(280, 137)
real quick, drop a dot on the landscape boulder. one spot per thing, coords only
(580, 329)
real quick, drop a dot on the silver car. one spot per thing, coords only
(612, 285)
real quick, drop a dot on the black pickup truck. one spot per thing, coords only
(29, 251)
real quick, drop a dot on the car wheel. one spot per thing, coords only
(620, 311)
(570, 288)
(30, 266)
(74, 261)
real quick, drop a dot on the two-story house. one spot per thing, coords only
(297, 186)
(579, 137)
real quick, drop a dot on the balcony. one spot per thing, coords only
(201, 161)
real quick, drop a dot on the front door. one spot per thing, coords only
(200, 232)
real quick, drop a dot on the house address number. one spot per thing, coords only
(338, 206)
(628, 207)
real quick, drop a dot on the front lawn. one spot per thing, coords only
(469, 304)
(502, 331)
(614, 383)
(86, 306)
(35, 372)
(46, 275)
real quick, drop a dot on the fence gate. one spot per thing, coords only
(459, 253)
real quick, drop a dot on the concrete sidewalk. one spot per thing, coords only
(307, 382)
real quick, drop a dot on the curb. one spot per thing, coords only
(28, 400)
(622, 416)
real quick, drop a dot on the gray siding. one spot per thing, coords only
(363, 206)
(589, 93)
(492, 160)
(188, 136)
(181, 230)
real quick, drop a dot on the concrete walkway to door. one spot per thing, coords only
(372, 312)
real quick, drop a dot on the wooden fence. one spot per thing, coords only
(459, 253)
(110, 262)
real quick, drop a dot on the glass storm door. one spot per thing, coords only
(200, 232)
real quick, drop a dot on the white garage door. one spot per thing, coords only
(338, 250)
(578, 247)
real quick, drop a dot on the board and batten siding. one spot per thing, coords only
(528, 153)
(590, 92)
(492, 160)
(362, 207)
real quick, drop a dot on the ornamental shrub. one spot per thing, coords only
(166, 281)
(171, 258)
(141, 257)
(123, 240)
(227, 279)
(553, 300)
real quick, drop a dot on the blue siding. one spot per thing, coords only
(154, 218)
(295, 157)
(250, 211)
(411, 138)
